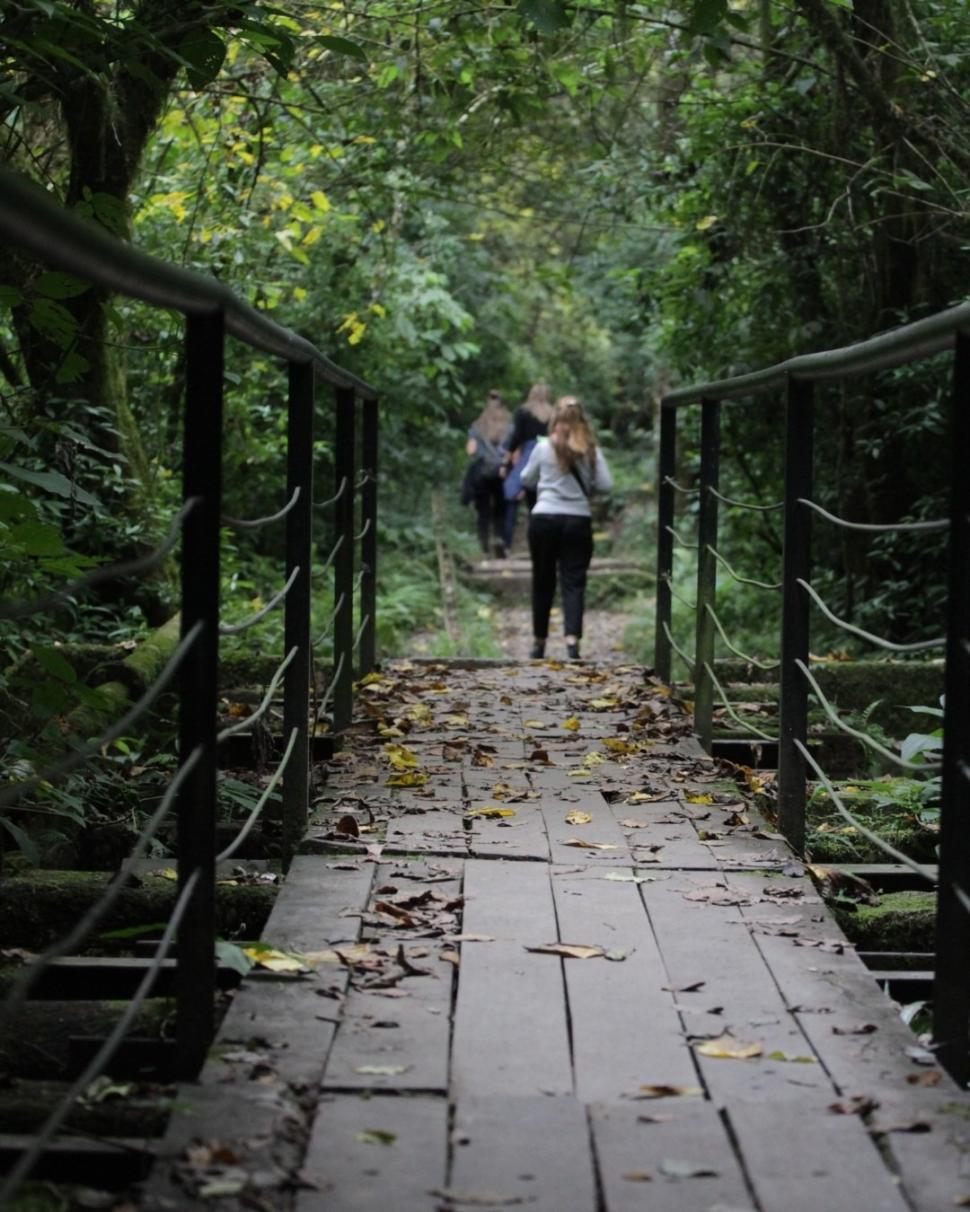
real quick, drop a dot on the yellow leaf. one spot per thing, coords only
(320, 200)
(569, 950)
(616, 744)
(572, 723)
(491, 811)
(699, 799)
(456, 721)
(648, 797)
(410, 778)
(421, 712)
(593, 759)
(389, 730)
(274, 960)
(371, 679)
(400, 757)
(378, 309)
(534, 724)
(166, 873)
(578, 842)
(578, 818)
(726, 1047)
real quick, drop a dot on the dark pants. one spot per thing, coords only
(559, 545)
(490, 511)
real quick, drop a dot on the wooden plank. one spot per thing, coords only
(663, 1138)
(802, 1158)
(510, 1034)
(352, 1169)
(307, 912)
(603, 828)
(434, 832)
(534, 1151)
(626, 1030)
(398, 1043)
(702, 941)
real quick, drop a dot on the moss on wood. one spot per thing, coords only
(901, 921)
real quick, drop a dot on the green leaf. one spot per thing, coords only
(50, 481)
(54, 321)
(23, 840)
(233, 957)
(57, 285)
(342, 46)
(547, 16)
(10, 297)
(73, 366)
(53, 661)
(37, 539)
(134, 931)
(204, 52)
(50, 698)
(706, 16)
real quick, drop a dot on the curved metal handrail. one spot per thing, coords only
(888, 349)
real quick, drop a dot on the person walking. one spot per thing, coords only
(530, 423)
(483, 480)
(565, 469)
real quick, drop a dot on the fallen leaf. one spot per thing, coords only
(675, 1168)
(410, 778)
(638, 1176)
(478, 1199)
(569, 950)
(932, 1077)
(572, 723)
(382, 1070)
(662, 1090)
(348, 825)
(469, 938)
(490, 812)
(858, 1104)
(699, 799)
(400, 757)
(376, 1136)
(718, 896)
(902, 1125)
(576, 817)
(684, 988)
(726, 1047)
(628, 823)
(583, 845)
(856, 1029)
(626, 877)
(534, 723)
(648, 797)
(275, 961)
(778, 1055)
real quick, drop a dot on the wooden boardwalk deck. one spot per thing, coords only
(720, 1049)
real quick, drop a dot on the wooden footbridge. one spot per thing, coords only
(552, 958)
(534, 946)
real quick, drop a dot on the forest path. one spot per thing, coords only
(553, 959)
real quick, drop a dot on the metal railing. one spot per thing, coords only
(797, 378)
(35, 224)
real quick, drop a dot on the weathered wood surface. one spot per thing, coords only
(705, 1056)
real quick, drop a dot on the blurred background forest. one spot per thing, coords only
(450, 197)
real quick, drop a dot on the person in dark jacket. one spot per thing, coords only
(530, 422)
(565, 469)
(485, 447)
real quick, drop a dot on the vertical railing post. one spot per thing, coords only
(368, 544)
(199, 688)
(299, 538)
(706, 572)
(343, 629)
(667, 466)
(795, 620)
(951, 986)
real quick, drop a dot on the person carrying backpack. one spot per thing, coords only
(483, 482)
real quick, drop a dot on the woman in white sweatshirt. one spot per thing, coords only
(566, 468)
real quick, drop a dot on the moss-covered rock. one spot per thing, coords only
(890, 807)
(38, 908)
(901, 921)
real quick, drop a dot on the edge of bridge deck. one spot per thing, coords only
(727, 1049)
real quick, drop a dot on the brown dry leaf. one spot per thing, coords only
(629, 823)
(662, 1090)
(902, 1125)
(576, 841)
(577, 817)
(348, 825)
(718, 896)
(569, 950)
(481, 758)
(932, 1077)
(726, 1047)
(541, 755)
(858, 1104)
(856, 1029)
(638, 1176)
(684, 988)
(449, 957)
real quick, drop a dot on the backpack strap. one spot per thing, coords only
(580, 481)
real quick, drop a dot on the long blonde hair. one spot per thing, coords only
(493, 422)
(570, 433)
(537, 401)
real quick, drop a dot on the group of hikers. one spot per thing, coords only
(547, 456)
